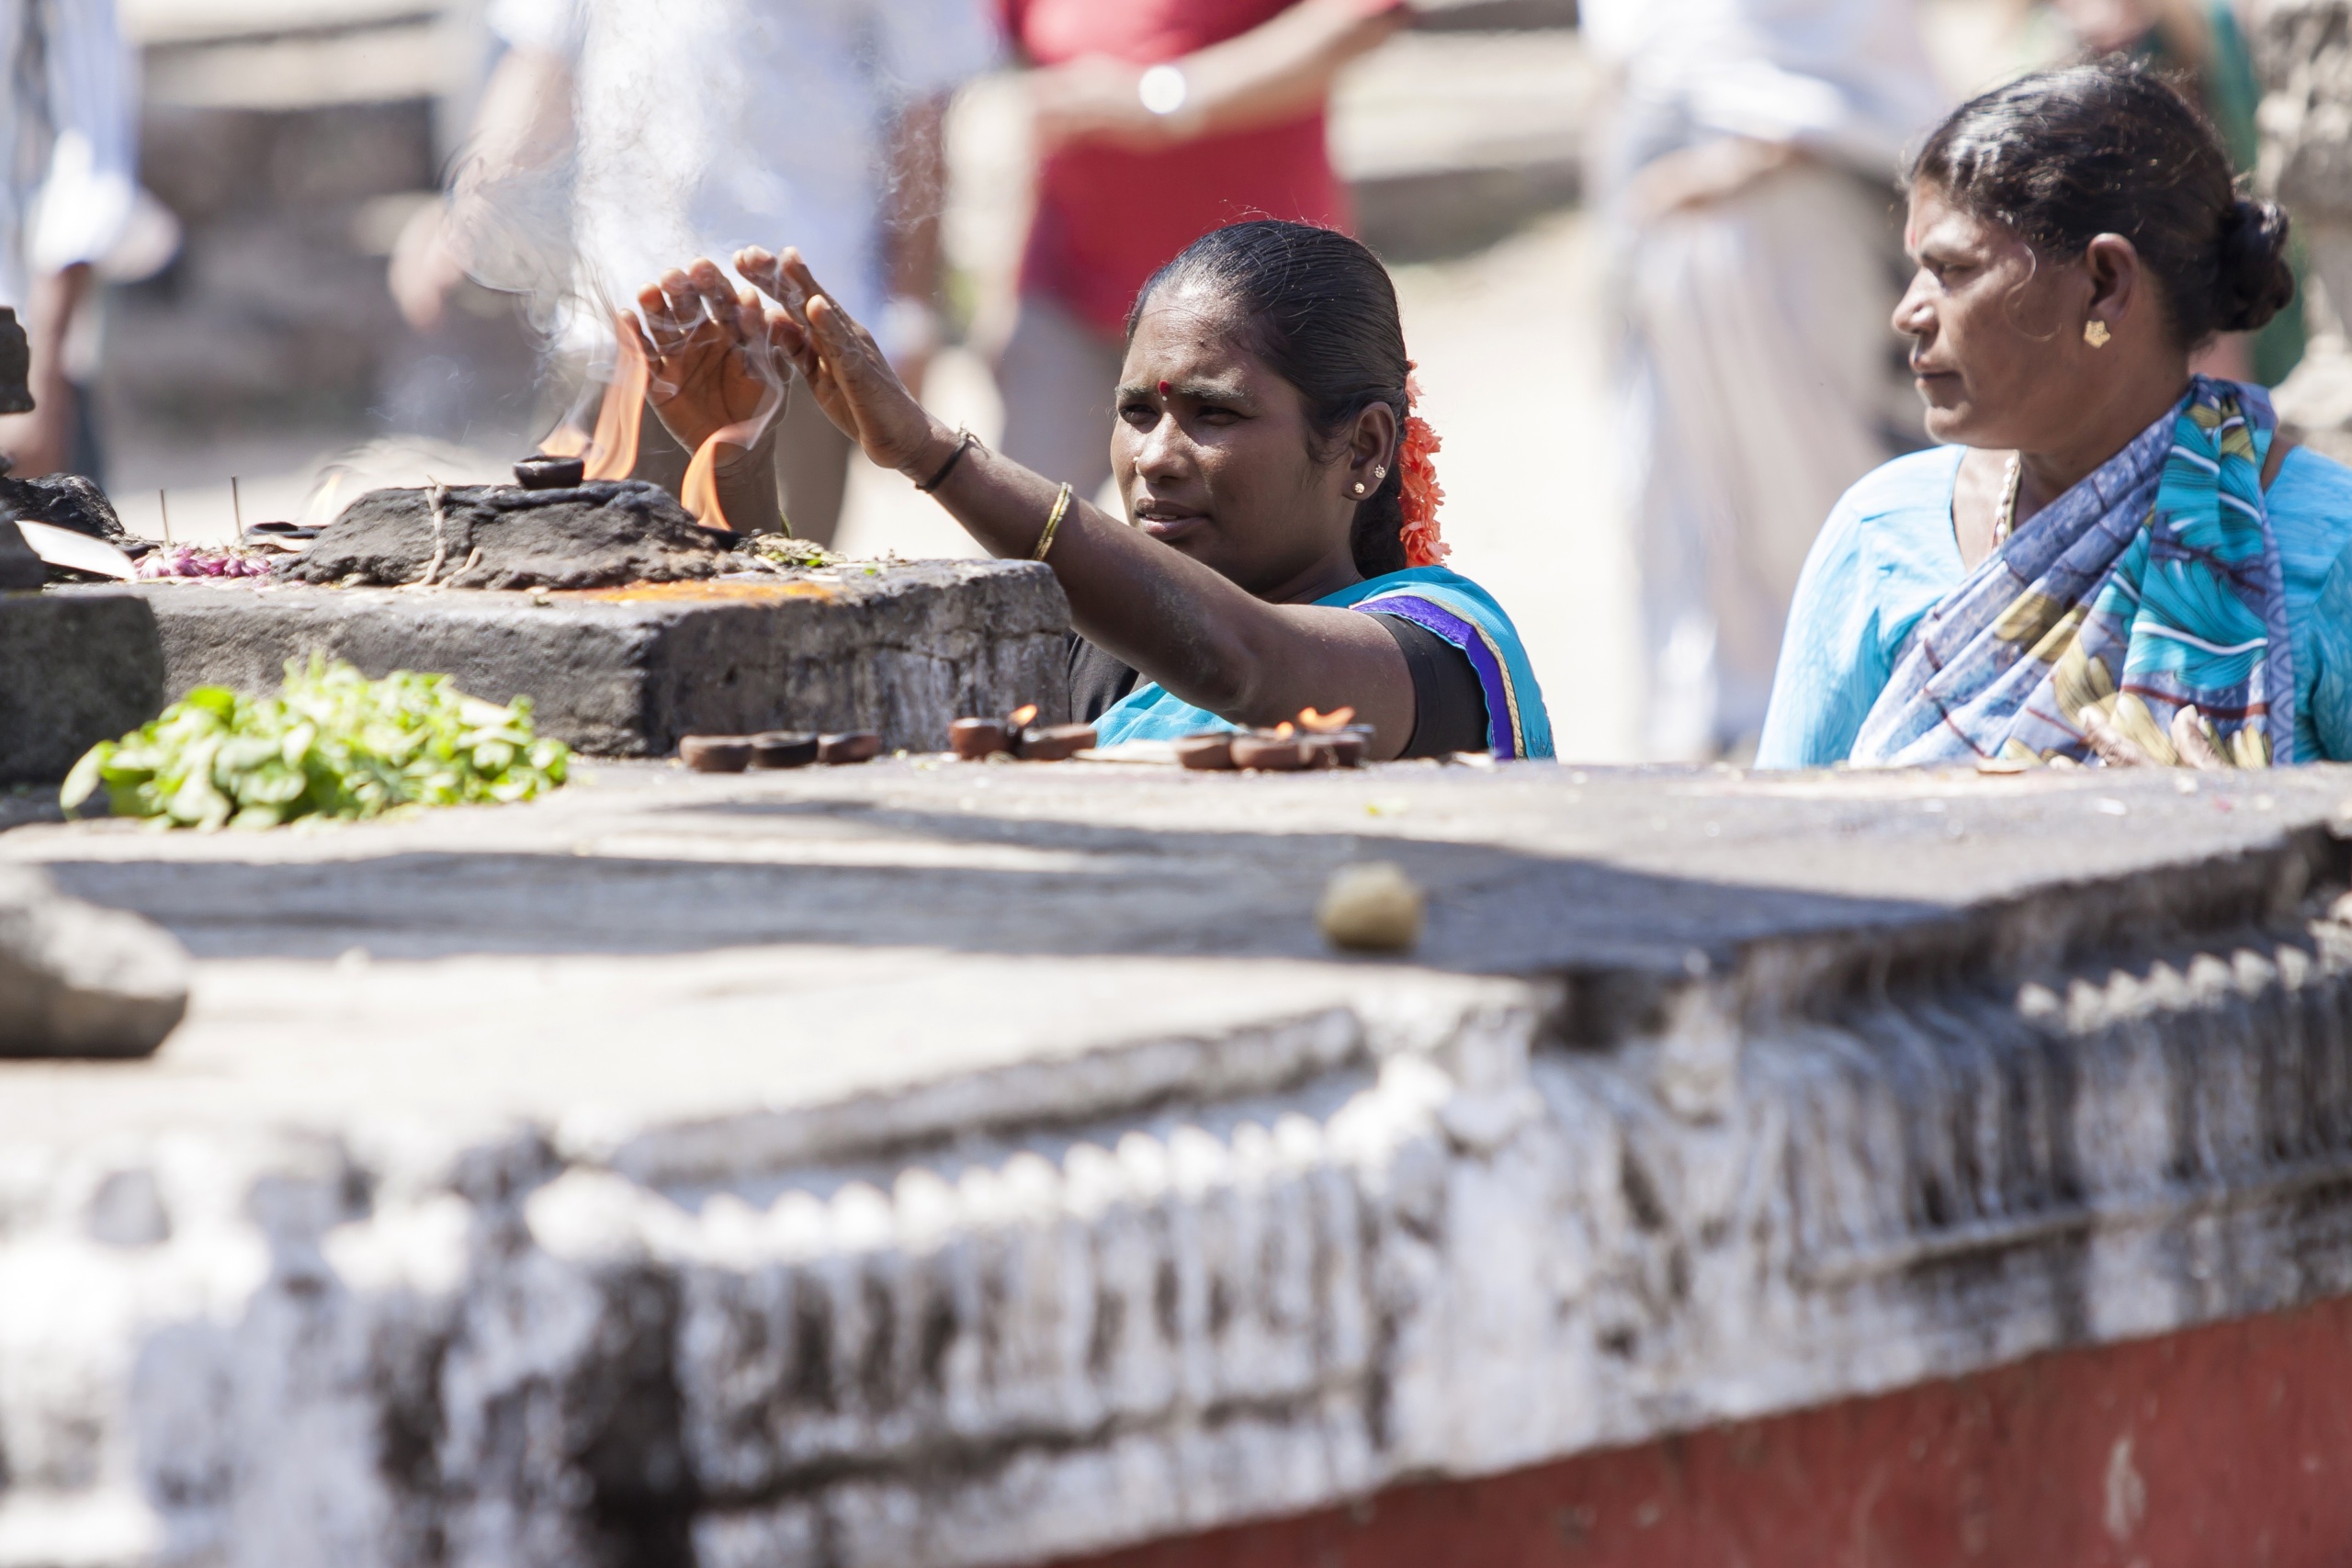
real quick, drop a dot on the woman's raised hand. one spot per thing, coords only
(840, 360)
(716, 358)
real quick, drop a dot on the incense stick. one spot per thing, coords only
(163, 504)
(237, 504)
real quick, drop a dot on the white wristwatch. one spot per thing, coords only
(1163, 89)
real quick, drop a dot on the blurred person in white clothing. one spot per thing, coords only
(1749, 179)
(608, 152)
(68, 158)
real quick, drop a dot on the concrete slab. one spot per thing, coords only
(902, 648)
(75, 669)
(957, 1164)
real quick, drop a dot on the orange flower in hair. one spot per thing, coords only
(1420, 493)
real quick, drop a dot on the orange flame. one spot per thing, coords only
(698, 492)
(611, 452)
(1283, 731)
(1325, 722)
(1021, 716)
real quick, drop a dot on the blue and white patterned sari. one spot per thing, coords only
(2150, 587)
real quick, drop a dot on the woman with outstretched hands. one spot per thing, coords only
(1280, 550)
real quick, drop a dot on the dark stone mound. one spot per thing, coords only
(68, 500)
(15, 366)
(599, 535)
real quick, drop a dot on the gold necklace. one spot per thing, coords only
(2005, 520)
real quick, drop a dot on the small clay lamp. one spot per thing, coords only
(1056, 742)
(1211, 752)
(1276, 750)
(856, 746)
(715, 753)
(978, 740)
(540, 471)
(784, 749)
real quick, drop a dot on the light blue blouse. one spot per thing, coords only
(1887, 554)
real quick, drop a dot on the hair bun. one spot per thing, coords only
(2253, 281)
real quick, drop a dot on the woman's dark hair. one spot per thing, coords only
(2064, 156)
(1317, 307)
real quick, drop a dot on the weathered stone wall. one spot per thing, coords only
(1386, 1221)
(905, 649)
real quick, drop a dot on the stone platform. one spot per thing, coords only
(902, 648)
(73, 671)
(939, 1164)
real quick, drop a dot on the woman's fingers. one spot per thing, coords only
(713, 294)
(793, 268)
(655, 312)
(637, 331)
(765, 269)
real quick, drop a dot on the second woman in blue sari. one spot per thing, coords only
(2115, 561)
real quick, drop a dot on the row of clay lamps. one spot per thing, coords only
(776, 749)
(978, 740)
(1281, 749)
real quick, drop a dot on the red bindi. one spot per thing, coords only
(1165, 389)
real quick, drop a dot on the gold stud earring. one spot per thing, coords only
(2096, 333)
(1359, 486)
(1380, 473)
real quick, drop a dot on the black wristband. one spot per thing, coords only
(948, 467)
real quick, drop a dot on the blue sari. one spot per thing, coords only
(1444, 602)
(2151, 588)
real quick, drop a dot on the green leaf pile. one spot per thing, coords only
(332, 744)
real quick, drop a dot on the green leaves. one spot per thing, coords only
(332, 744)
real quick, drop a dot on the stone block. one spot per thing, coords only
(903, 649)
(77, 980)
(75, 669)
(931, 1165)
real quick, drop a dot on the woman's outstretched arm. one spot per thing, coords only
(1203, 638)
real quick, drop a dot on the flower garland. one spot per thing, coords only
(1420, 493)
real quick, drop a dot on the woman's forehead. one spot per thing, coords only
(1935, 217)
(1190, 335)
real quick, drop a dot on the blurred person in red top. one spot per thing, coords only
(1156, 121)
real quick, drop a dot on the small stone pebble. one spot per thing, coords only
(1372, 906)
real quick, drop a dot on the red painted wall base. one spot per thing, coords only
(2225, 1447)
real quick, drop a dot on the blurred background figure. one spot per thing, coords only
(68, 158)
(1749, 181)
(1154, 122)
(607, 151)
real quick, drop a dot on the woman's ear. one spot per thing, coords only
(2112, 265)
(1372, 444)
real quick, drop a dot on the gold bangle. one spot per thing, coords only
(1053, 521)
